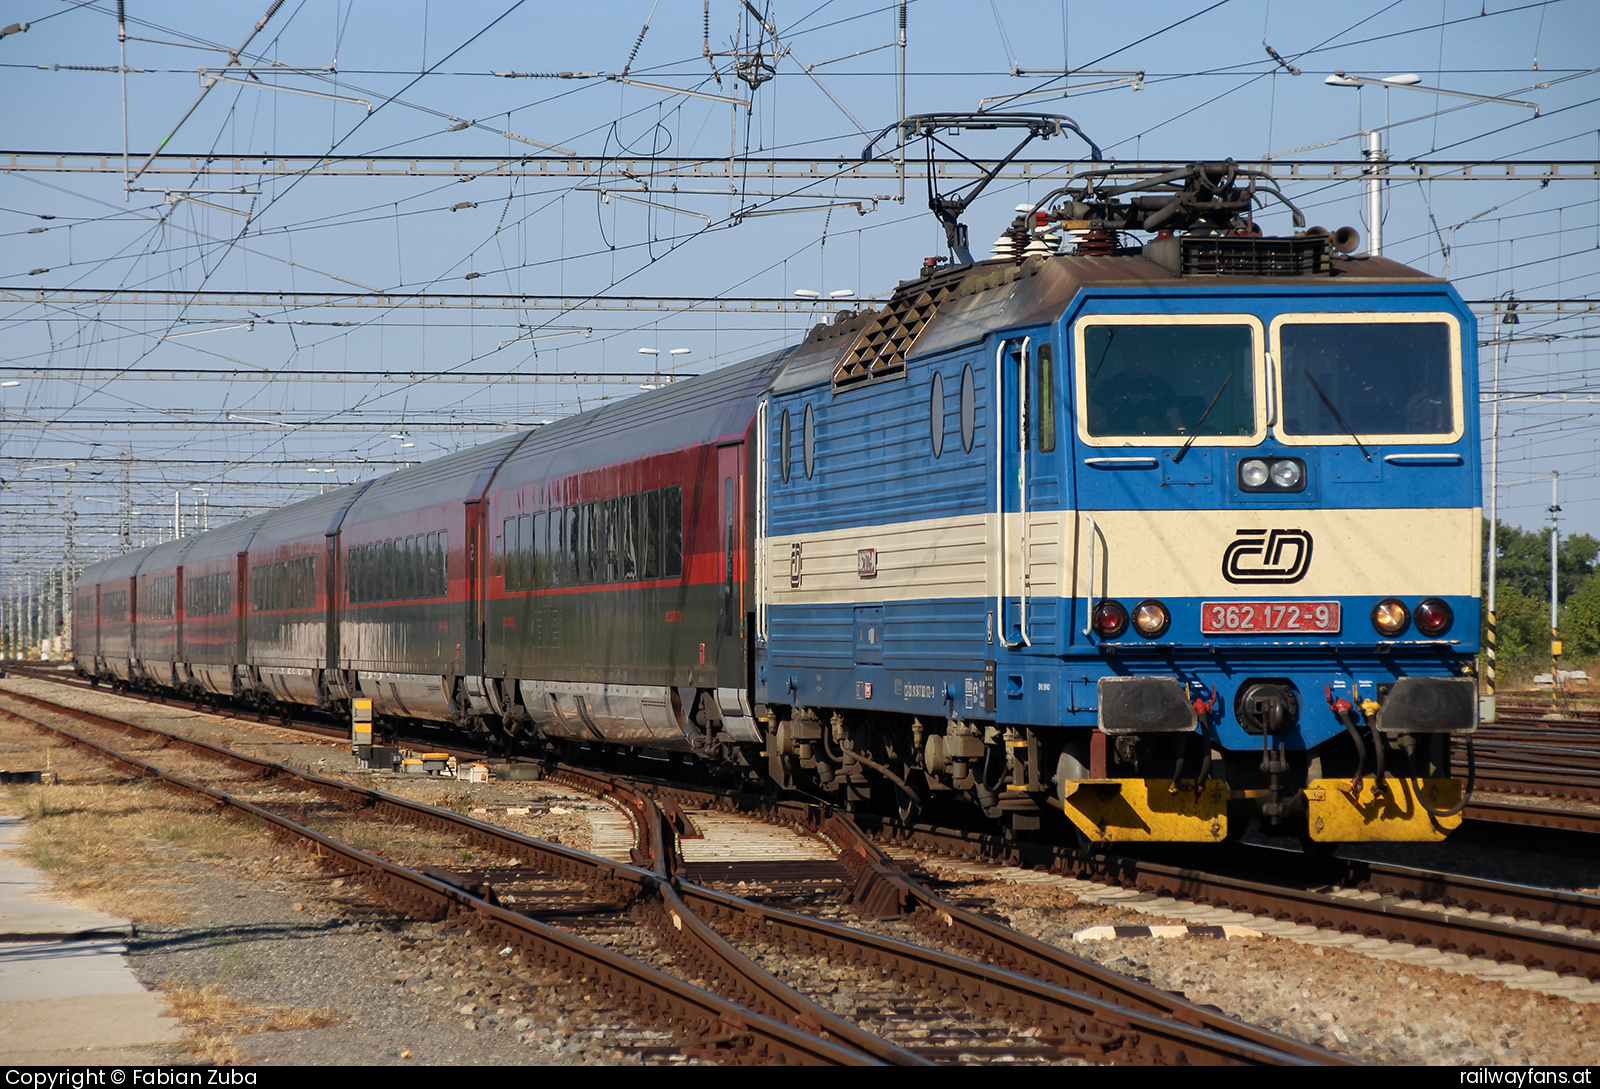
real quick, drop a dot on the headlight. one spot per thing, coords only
(1433, 616)
(1151, 618)
(1253, 473)
(1110, 619)
(1390, 617)
(1287, 473)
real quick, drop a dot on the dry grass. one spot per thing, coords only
(216, 1019)
(108, 842)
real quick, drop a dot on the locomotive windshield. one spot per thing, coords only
(1167, 380)
(1367, 375)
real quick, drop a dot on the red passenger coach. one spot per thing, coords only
(590, 579)
(214, 582)
(107, 651)
(617, 600)
(160, 643)
(410, 634)
(291, 635)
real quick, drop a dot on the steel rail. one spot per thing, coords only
(751, 985)
(1074, 1010)
(1533, 816)
(684, 928)
(712, 1019)
(1576, 910)
(1096, 1030)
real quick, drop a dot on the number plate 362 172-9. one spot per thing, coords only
(1269, 617)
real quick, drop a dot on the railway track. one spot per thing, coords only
(753, 1016)
(1539, 929)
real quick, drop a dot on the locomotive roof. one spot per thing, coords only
(963, 305)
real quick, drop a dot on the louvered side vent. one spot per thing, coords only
(882, 347)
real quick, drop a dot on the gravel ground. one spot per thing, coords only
(1378, 1011)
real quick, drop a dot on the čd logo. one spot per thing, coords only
(1260, 555)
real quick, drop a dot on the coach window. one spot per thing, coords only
(672, 538)
(1373, 377)
(1169, 379)
(592, 542)
(573, 565)
(630, 536)
(783, 445)
(568, 546)
(536, 555)
(936, 413)
(650, 533)
(1044, 398)
(527, 561)
(969, 409)
(610, 568)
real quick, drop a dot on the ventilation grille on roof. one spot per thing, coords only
(882, 347)
(1205, 255)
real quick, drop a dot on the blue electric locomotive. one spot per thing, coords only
(1162, 538)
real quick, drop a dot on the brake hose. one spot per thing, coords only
(1342, 711)
(1466, 795)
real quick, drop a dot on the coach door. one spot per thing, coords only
(471, 657)
(731, 569)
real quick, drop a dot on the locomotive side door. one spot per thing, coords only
(1047, 493)
(1028, 490)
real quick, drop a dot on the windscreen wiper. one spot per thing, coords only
(1195, 434)
(1347, 429)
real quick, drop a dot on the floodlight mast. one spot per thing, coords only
(1375, 153)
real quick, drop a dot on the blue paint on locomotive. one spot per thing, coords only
(879, 476)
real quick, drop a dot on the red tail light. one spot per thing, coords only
(1110, 619)
(1433, 616)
